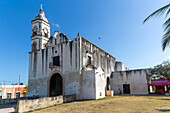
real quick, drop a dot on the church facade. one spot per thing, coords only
(59, 66)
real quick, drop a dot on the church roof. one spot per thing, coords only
(41, 15)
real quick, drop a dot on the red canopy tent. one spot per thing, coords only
(160, 83)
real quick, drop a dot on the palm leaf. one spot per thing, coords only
(167, 24)
(168, 12)
(159, 12)
(166, 39)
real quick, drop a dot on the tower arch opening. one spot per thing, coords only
(34, 46)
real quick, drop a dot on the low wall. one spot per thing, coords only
(69, 98)
(14, 100)
(29, 105)
(8, 101)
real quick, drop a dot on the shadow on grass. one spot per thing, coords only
(164, 99)
(163, 110)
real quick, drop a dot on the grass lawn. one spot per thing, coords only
(121, 104)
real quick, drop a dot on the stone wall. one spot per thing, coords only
(69, 98)
(29, 105)
(13, 101)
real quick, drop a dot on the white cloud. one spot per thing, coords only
(56, 25)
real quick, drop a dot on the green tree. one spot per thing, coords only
(21, 84)
(161, 70)
(166, 36)
(25, 92)
(17, 83)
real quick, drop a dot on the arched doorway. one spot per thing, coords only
(56, 85)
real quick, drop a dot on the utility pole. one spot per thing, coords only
(19, 85)
(4, 89)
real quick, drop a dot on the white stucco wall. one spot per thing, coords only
(41, 66)
(73, 57)
(94, 84)
(100, 83)
(136, 78)
(119, 66)
(99, 57)
(89, 91)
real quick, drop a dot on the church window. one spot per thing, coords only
(56, 61)
(89, 60)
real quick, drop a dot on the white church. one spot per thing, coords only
(59, 66)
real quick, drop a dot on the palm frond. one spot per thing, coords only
(166, 40)
(158, 12)
(167, 24)
(168, 12)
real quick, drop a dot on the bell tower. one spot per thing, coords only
(40, 31)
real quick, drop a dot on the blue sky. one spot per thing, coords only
(117, 22)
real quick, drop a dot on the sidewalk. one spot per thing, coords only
(7, 108)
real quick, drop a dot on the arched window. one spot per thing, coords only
(34, 31)
(45, 32)
(34, 46)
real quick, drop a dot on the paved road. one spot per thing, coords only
(7, 109)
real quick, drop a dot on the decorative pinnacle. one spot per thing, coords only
(78, 34)
(41, 6)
